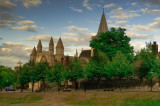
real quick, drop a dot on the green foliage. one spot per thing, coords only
(74, 70)
(113, 41)
(23, 75)
(55, 74)
(120, 66)
(148, 61)
(95, 68)
(7, 76)
(41, 71)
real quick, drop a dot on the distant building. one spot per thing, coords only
(85, 55)
(19, 64)
(49, 56)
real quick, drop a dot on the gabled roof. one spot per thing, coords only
(60, 44)
(103, 28)
(85, 54)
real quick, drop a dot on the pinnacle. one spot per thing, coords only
(60, 44)
(103, 24)
(51, 41)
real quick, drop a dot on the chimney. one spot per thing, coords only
(155, 47)
(62, 60)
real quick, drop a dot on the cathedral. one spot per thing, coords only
(85, 55)
(38, 55)
(48, 56)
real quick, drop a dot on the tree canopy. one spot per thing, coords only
(113, 41)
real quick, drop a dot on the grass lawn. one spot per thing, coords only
(78, 99)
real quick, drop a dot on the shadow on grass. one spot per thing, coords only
(26, 99)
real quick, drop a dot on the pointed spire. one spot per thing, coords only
(103, 24)
(39, 43)
(60, 44)
(34, 51)
(76, 53)
(51, 41)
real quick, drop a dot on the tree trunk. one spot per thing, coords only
(98, 84)
(151, 85)
(21, 87)
(140, 82)
(120, 85)
(32, 86)
(75, 85)
(1, 89)
(58, 87)
(43, 86)
(159, 83)
(85, 88)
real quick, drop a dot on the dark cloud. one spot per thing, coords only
(6, 5)
(155, 2)
(1, 38)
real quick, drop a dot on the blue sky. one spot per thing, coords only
(23, 22)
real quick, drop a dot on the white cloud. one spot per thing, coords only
(137, 36)
(110, 5)
(155, 24)
(36, 38)
(29, 28)
(143, 28)
(77, 10)
(9, 55)
(26, 25)
(75, 28)
(119, 13)
(26, 22)
(87, 5)
(7, 5)
(134, 4)
(121, 23)
(148, 11)
(138, 46)
(30, 3)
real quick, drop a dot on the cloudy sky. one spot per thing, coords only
(23, 22)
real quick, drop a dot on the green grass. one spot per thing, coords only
(113, 99)
(26, 99)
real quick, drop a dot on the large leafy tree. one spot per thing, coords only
(120, 67)
(23, 76)
(95, 69)
(113, 41)
(33, 73)
(41, 71)
(56, 74)
(147, 57)
(7, 77)
(74, 71)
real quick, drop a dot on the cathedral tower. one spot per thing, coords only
(59, 50)
(103, 28)
(51, 46)
(33, 55)
(39, 47)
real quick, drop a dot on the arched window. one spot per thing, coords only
(43, 59)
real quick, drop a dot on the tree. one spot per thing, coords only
(74, 71)
(33, 73)
(147, 56)
(7, 77)
(113, 41)
(41, 70)
(156, 69)
(96, 67)
(120, 67)
(55, 74)
(23, 76)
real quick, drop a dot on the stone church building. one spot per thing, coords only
(38, 55)
(85, 55)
